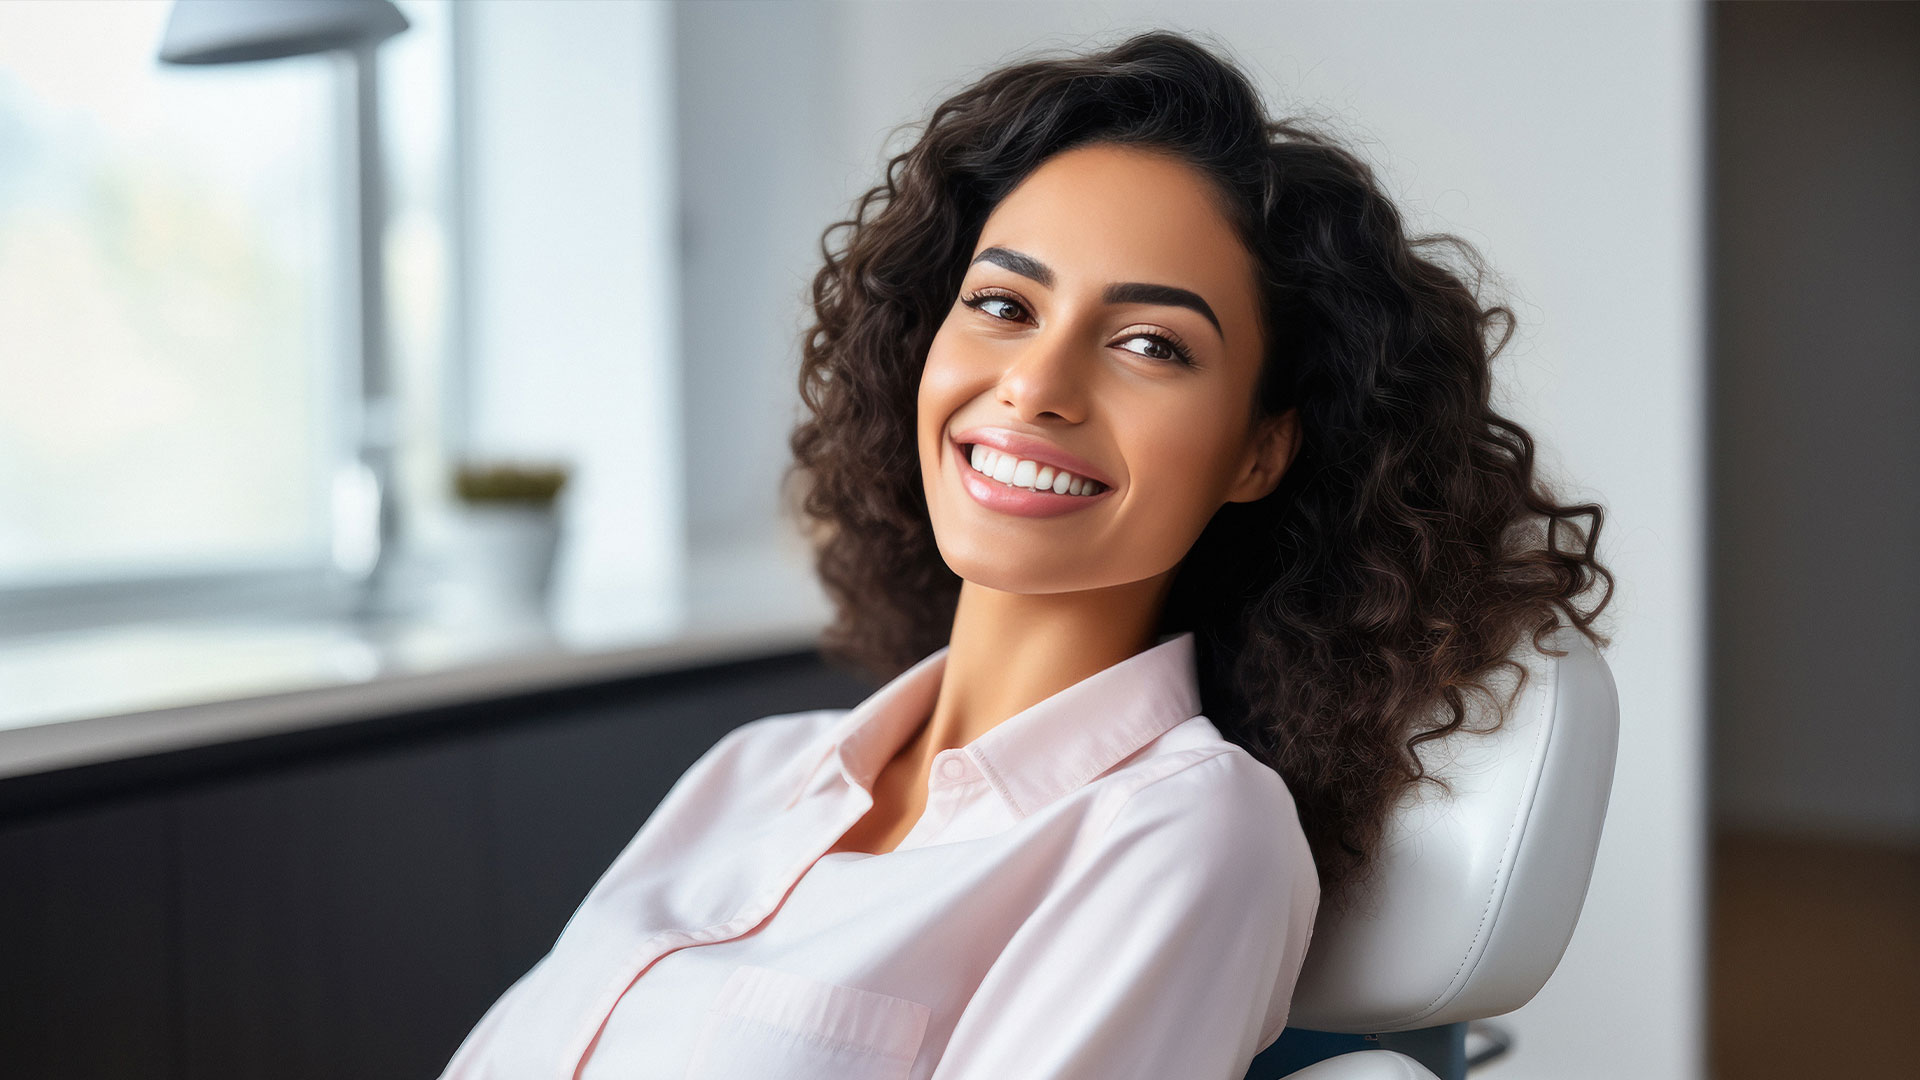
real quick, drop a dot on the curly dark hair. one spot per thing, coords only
(1407, 548)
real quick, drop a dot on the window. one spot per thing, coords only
(176, 331)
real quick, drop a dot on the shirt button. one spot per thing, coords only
(953, 768)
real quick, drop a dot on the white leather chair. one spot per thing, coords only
(1477, 892)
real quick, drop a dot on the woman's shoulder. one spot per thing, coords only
(1194, 786)
(778, 737)
(741, 762)
(1195, 759)
(787, 727)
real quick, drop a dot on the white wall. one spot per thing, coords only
(1565, 140)
(644, 198)
(572, 295)
(760, 179)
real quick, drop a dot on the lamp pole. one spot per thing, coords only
(366, 531)
(378, 420)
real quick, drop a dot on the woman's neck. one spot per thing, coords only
(1009, 651)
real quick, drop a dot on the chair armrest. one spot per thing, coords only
(1364, 1065)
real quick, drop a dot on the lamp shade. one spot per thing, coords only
(225, 31)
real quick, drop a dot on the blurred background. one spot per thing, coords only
(391, 431)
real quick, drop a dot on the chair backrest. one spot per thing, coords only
(1477, 893)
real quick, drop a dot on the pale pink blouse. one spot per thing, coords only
(1100, 886)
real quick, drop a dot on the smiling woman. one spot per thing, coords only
(1117, 260)
(1152, 469)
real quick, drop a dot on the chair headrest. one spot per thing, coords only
(1476, 893)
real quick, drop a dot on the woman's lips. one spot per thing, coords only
(1019, 501)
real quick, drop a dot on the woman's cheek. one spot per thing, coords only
(942, 377)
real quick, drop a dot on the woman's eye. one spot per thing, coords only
(1166, 350)
(981, 302)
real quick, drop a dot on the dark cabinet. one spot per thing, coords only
(335, 903)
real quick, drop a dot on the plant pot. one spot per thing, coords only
(500, 557)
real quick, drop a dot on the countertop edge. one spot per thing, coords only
(42, 748)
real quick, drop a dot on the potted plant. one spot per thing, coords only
(506, 533)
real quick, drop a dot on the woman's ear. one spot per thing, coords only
(1276, 439)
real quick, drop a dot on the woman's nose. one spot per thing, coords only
(1046, 376)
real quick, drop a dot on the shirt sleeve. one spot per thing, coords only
(1171, 951)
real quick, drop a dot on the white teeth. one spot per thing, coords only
(1020, 472)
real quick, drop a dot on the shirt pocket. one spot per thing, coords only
(770, 1023)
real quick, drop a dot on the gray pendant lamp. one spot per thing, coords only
(231, 31)
(226, 31)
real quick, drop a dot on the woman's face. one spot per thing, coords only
(1107, 323)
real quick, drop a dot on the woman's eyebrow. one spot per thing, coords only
(1120, 292)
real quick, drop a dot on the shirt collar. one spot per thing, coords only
(1040, 753)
